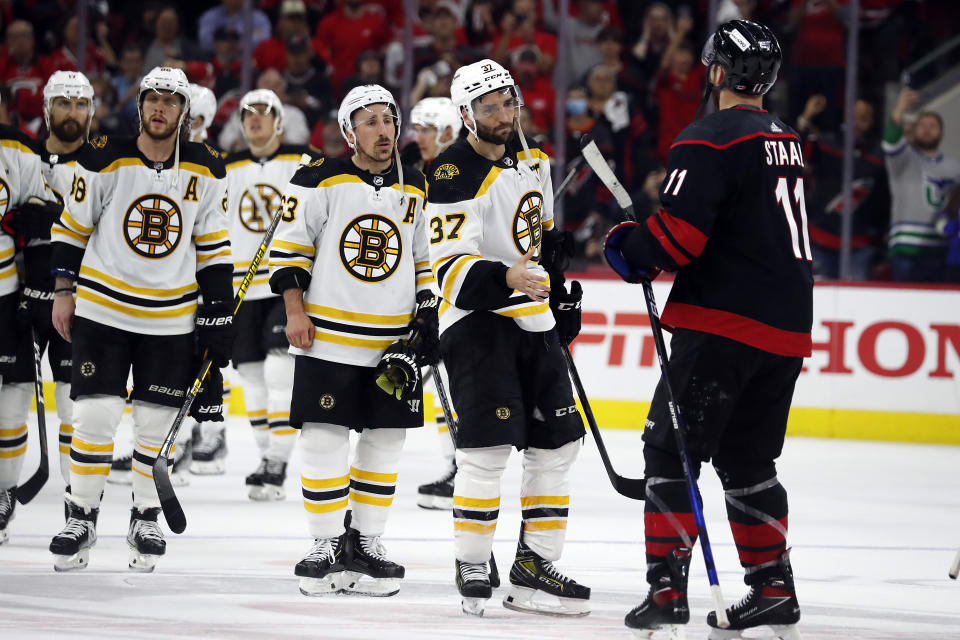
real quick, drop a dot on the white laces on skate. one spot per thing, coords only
(552, 571)
(470, 572)
(372, 547)
(75, 528)
(149, 530)
(323, 549)
(6, 500)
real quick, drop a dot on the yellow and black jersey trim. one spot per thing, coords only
(212, 245)
(292, 254)
(105, 154)
(240, 272)
(424, 274)
(7, 266)
(68, 230)
(357, 329)
(112, 293)
(284, 153)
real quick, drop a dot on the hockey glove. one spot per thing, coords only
(32, 219)
(425, 331)
(216, 331)
(556, 249)
(618, 262)
(397, 372)
(208, 405)
(566, 311)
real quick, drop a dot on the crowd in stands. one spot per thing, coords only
(634, 81)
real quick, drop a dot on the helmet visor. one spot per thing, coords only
(506, 98)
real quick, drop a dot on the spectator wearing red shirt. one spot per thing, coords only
(292, 22)
(347, 32)
(679, 91)
(447, 37)
(519, 29)
(537, 91)
(24, 73)
(65, 58)
(817, 60)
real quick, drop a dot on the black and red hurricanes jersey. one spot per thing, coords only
(734, 226)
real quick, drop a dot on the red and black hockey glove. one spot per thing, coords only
(425, 330)
(397, 372)
(32, 219)
(566, 311)
(216, 331)
(208, 405)
(612, 251)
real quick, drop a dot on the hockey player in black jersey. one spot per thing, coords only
(734, 228)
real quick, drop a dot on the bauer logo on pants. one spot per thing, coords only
(153, 226)
(370, 247)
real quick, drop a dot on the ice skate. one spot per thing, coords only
(271, 479)
(665, 606)
(473, 581)
(8, 503)
(771, 603)
(210, 456)
(367, 571)
(121, 471)
(438, 494)
(179, 471)
(321, 570)
(145, 539)
(71, 547)
(537, 587)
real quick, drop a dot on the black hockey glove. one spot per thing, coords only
(35, 310)
(32, 219)
(566, 311)
(397, 372)
(425, 331)
(208, 405)
(216, 331)
(556, 249)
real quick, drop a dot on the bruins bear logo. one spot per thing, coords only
(528, 223)
(153, 226)
(251, 211)
(4, 196)
(99, 142)
(370, 247)
(446, 172)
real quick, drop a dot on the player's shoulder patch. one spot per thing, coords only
(456, 174)
(100, 152)
(216, 153)
(311, 175)
(99, 142)
(195, 156)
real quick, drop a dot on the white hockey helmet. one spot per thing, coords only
(473, 81)
(202, 104)
(268, 98)
(440, 113)
(165, 79)
(67, 84)
(360, 98)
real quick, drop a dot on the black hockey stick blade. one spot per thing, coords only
(29, 489)
(633, 488)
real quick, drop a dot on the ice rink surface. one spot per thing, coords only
(873, 527)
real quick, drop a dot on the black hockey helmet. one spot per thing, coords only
(749, 54)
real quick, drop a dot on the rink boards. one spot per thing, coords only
(885, 364)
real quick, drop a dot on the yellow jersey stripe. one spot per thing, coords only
(14, 453)
(544, 525)
(488, 181)
(123, 286)
(293, 246)
(19, 146)
(68, 219)
(344, 178)
(209, 237)
(452, 274)
(283, 431)
(324, 483)
(480, 503)
(348, 341)
(371, 500)
(475, 527)
(99, 470)
(91, 448)
(529, 501)
(219, 254)
(326, 507)
(63, 231)
(136, 312)
(358, 316)
(360, 474)
(533, 310)
(15, 431)
(409, 189)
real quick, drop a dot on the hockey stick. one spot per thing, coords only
(452, 427)
(955, 569)
(172, 510)
(29, 489)
(602, 169)
(634, 488)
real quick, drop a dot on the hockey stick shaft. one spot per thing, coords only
(29, 489)
(955, 568)
(602, 169)
(172, 510)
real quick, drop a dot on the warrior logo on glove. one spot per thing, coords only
(153, 226)
(370, 248)
(528, 223)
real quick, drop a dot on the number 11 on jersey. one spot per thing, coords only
(796, 231)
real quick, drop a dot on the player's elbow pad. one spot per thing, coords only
(65, 260)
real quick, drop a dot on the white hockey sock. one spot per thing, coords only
(150, 425)
(373, 478)
(95, 424)
(324, 451)
(14, 409)
(61, 394)
(545, 497)
(255, 401)
(278, 373)
(476, 501)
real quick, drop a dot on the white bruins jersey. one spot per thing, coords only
(252, 184)
(482, 217)
(363, 251)
(136, 240)
(20, 178)
(58, 172)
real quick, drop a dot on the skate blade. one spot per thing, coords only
(142, 562)
(179, 479)
(78, 560)
(325, 586)
(204, 468)
(435, 503)
(4, 536)
(528, 600)
(473, 606)
(266, 493)
(673, 631)
(120, 477)
(780, 632)
(360, 584)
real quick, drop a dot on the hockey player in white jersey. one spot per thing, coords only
(255, 178)
(490, 214)
(27, 207)
(352, 263)
(142, 236)
(203, 108)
